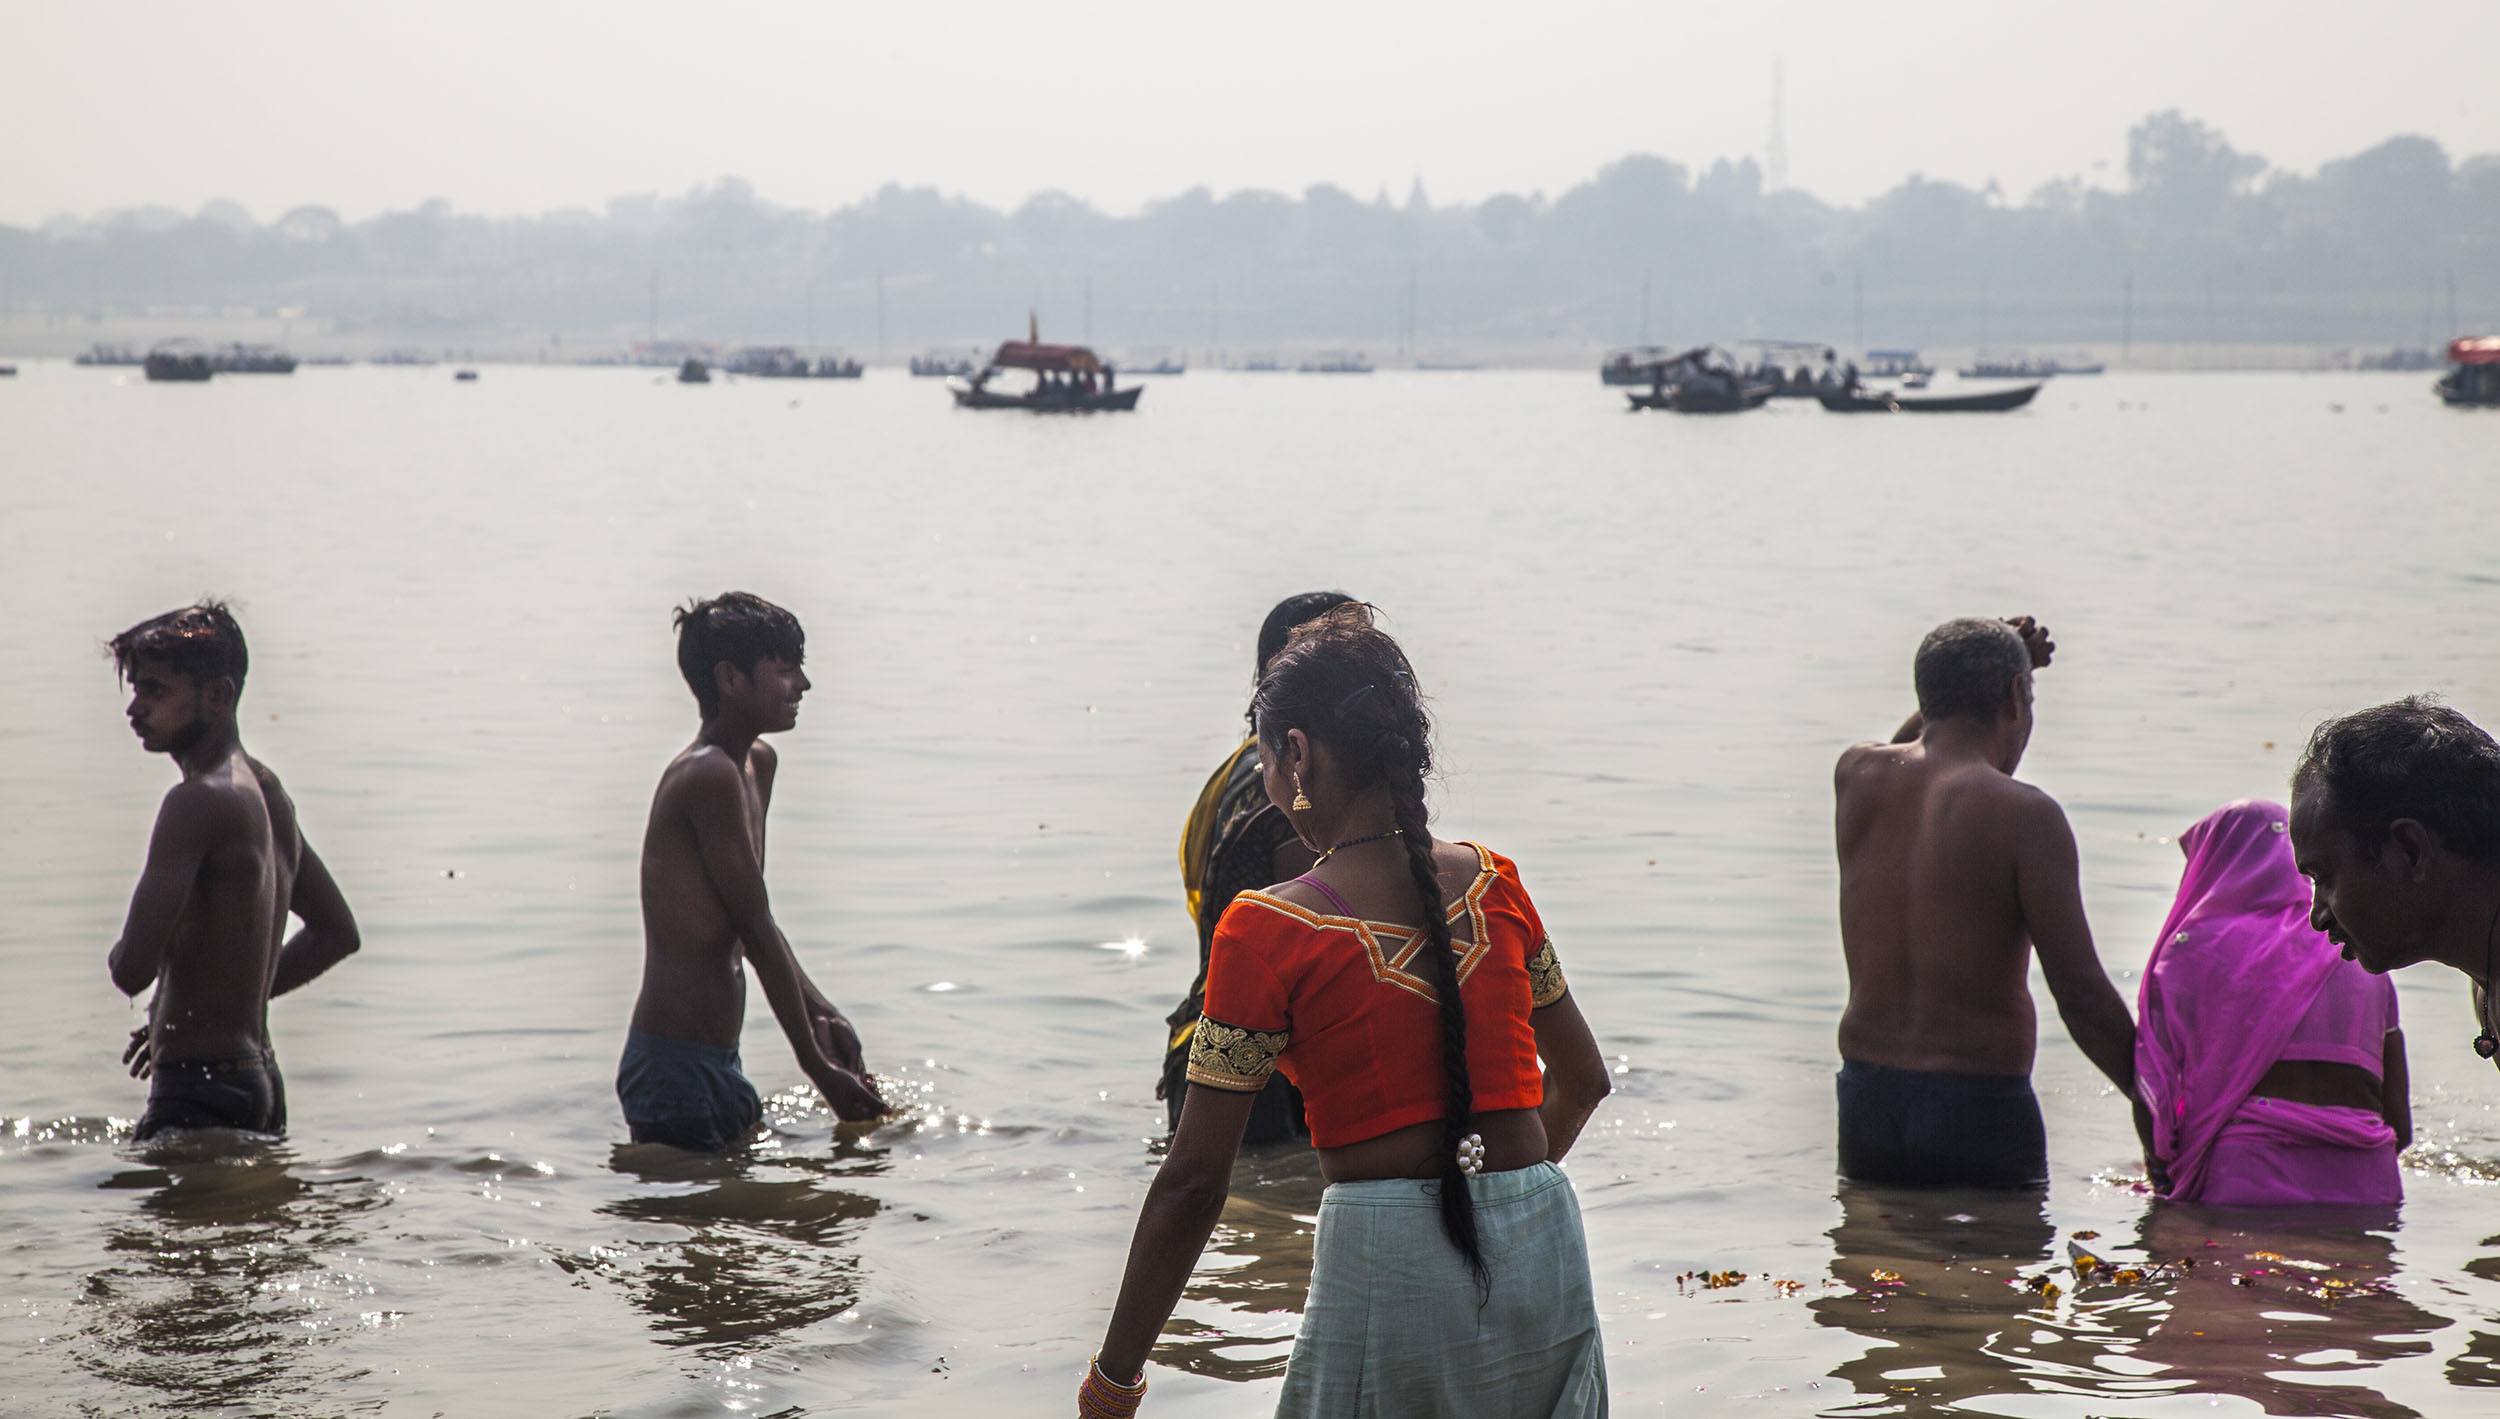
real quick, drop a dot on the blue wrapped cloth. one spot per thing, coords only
(1392, 1328)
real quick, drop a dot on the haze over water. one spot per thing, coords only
(1647, 638)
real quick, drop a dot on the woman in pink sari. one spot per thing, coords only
(2273, 1068)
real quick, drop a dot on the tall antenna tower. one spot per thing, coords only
(1775, 152)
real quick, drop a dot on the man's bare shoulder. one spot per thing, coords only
(219, 798)
(2021, 807)
(1870, 757)
(699, 772)
(764, 761)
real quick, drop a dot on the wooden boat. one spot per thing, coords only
(693, 372)
(972, 396)
(252, 359)
(464, 376)
(782, 362)
(1336, 362)
(1067, 379)
(1861, 401)
(175, 363)
(114, 355)
(1700, 399)
(939, 365)
(2473, 381)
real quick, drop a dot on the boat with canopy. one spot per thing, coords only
(1067, 379)
(2473, 377)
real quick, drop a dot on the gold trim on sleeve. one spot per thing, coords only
(1225, 1056)
(1545, 976)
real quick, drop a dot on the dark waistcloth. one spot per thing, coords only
(1928, 1129)
(243, 1091)
(686, 1095)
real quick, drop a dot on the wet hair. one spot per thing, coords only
(1292, 612)
(201, 641)
(1344, 683)
(1964, 667)
(736, 626)
(2416, 758)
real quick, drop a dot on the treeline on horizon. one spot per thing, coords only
(2204, 243)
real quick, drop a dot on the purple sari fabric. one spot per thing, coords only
(2235, 970)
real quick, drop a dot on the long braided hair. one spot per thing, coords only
(1343, 682)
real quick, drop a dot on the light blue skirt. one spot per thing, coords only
(1392, 1328)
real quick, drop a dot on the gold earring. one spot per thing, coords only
(1301, 800)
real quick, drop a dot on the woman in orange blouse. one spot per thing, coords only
(1408, 988)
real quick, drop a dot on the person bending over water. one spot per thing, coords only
(2396, 824)
(1408, 987)
(1951, 873)
(705, 915)
(226, 865)
(1235, 840)
(2272, 1067)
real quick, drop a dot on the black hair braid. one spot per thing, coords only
(1342, 681)
(1403, 762)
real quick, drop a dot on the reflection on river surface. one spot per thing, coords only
(1971, 1294)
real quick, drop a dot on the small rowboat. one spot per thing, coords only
(1860, 402)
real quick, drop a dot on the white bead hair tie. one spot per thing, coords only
(1471, 1154)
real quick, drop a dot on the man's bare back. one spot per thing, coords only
(1931, 916)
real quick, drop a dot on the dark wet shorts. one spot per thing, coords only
(685, 1095)
(1923, 1129)
(241, 1092)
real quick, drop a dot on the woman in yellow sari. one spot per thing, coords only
(1236, 841)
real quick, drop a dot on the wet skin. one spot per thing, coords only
(226, 865)
(705, 913)
(1952, 873)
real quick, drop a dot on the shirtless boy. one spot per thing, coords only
(226, 866)
(705, 915)
(1951, 874)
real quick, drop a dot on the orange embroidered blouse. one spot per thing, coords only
(1348, 1012)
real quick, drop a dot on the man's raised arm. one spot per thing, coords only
(2049, 887)
(716, 808)
(185, 826)
(329, 933)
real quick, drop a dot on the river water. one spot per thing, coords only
(1647, 637)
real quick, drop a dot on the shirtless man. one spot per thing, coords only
(1951, 874)
(704, 911)
(226, 865)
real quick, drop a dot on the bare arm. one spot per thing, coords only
(2049, 888)
(178, 846)
(329, 934)
(716, 809)
(1575, 1073)
(1181, 1208)
(2396, 1089)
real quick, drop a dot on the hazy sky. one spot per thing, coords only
(522, 106)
